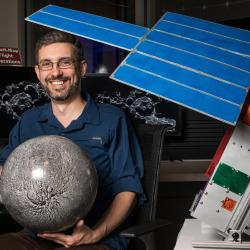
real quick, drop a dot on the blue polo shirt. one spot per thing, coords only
(103, 131)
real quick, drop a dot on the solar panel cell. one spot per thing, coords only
(219, 29)
(102, 22)
(236, 46)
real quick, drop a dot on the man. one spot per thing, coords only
(100, 129)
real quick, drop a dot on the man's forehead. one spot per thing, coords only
(56, 50)
(58, 45)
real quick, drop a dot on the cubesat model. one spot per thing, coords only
(225, 201)
(200, 65)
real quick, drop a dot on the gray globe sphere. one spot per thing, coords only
(48, 183)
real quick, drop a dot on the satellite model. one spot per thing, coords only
(200, 65)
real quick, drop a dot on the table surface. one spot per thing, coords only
(195, 230)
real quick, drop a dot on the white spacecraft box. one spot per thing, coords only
(224, 203)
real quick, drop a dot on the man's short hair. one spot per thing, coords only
(57, 36)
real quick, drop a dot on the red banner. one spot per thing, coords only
(10, 56)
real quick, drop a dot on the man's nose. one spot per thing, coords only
(56, 70)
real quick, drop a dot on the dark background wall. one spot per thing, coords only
(188, 147)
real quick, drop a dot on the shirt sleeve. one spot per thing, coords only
(126, 160)
(14, 141)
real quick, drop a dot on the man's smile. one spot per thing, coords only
(56, 82)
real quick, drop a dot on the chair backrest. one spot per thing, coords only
(151, 139)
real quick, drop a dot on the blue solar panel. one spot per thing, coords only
(105, 30)
(198, 64)
(177, 93)
(192, 65)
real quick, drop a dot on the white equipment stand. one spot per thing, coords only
(197, 235)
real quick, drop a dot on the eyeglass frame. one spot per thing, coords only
(71, 60)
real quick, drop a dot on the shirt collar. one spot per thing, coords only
(90, 114)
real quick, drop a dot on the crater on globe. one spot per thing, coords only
(48, 183)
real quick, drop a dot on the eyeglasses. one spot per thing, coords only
(61, 64)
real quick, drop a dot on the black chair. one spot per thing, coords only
(151, 140)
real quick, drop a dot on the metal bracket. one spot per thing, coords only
(220, 245)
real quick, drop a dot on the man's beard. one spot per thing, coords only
(72, 90)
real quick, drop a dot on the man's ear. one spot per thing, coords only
(37, 72)
(84, 67)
